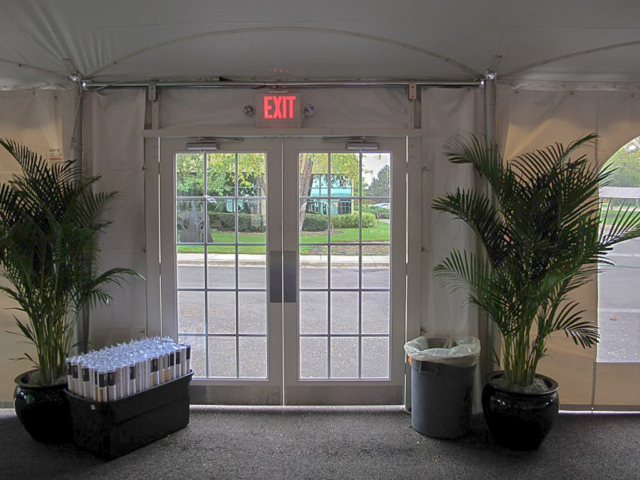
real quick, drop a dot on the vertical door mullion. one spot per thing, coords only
(152, 234)
(274, 251)
(168, 267)
(290, 213)
(398, 260)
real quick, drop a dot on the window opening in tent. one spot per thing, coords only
(619, 285)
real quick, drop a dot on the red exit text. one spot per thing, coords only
(279, 106)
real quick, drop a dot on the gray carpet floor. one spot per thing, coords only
(339, 443)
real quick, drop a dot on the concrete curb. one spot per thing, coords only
(311, 261)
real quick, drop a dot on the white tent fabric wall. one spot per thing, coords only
(535, 119)
(113, 147)
(38, 119)
(446, 113)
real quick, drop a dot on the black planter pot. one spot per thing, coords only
(519, 421)
(43, 411)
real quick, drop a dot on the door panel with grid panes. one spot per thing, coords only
(222, 231)
(344, 333)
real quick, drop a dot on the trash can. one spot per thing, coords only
(442, 384)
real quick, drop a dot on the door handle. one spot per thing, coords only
(275, 276)
(290, 276)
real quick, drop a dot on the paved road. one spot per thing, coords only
(619, 314)
(315, 360)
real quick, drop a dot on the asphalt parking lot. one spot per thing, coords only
(619, 305)
(322, 316)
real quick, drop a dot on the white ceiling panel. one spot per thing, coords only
(123, 40)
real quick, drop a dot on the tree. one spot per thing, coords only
(379, 186)
(626, 162)
(345, 171)
(221, 171)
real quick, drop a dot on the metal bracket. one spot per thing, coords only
(153, 92)
(413, 91)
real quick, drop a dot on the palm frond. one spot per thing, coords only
(542, 241)
(50, 220)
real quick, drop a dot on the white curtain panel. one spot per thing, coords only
(35, 118)
(447, 113)
(535, 119)
(113, 147)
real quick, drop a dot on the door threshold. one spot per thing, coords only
(300, 409)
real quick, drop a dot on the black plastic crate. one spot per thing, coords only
(111, 429)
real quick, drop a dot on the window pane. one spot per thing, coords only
(189, 174)
(375, 312)
(252, 312)
(252, 267)
(221, 174)
(376, 174)
(252, 221)
(313, 271)
(253, 357)
(344, 357)
(252, 176)
(345, 267)
(345, 222)
(222, 357)
(221, 312)
(191, 312)
(376, 266)
(314, 358)
(313, 312)
(344, 312)
(190, 219)
(313, 175)
(190, 266)
(221, 269)
(198, 354)
(345, 174)
(222, 222)
(375, 357)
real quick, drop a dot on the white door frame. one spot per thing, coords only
(247, 391)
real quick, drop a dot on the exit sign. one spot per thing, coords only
(279, 110)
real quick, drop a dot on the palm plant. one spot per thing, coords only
(539, 229)
(49, 226)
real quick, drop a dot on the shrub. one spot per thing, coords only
(315, 223)
(246, 222)
(378, 212)
(352, 220)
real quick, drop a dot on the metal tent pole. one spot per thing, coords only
(488, 330)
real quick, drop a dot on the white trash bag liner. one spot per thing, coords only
(456, 351)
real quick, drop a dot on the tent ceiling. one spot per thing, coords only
(119, 40)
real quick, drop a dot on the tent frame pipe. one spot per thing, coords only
(284, 84)
(487, 328)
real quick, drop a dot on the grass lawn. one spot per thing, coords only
(379, 233)
(611, 215)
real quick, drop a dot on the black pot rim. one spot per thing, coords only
(20, 380)
(553, 385)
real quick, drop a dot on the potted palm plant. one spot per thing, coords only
(49, 227)
(539, 226)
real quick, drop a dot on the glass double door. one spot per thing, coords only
(283, 265)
